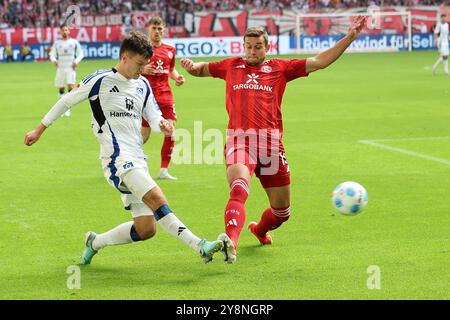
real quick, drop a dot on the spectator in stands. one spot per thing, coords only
(8, 52)
(25, 51)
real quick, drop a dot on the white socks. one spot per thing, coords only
(437, 64)
(118, 235)
(122, 233)
(175, 227)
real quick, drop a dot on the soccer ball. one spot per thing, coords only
(350, 198)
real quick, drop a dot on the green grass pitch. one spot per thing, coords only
(53, 192)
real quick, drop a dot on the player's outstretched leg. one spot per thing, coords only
(235, 213)
(122, 234)
(88, 252)
(170, 223)
(208, 248)
(229, 250)
(271, 219)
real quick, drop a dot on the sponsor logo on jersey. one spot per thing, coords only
(252, 84)
(252, 78)
(116, 114)
(158, 67)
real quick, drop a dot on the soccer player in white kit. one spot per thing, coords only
(119, 99)
(441, 41)
(66, 54)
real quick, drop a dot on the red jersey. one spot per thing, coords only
(254, 93)
(163, 61)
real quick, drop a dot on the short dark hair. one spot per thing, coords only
(138, 43)
(157, 21)
(62, 26)
(257, 32)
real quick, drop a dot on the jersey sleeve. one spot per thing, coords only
(438, 29)
(219, 69)
(295, 68)
(151, 113)
(53, 53)
(79, 55)
(74, 97)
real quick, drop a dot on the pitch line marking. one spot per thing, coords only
(404, 151)
(411, 139)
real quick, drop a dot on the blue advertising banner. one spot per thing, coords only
(92, 50)
(376, 42)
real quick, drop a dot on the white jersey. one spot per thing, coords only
(66, 52)
(442, 31)
(118, 105)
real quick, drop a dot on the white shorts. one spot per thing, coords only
(443, 49)
(65, 76)
(130, 176)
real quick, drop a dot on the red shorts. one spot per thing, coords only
(168, 112)
(266, 159)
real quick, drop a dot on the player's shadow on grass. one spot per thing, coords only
(157, 275)
(256, 252)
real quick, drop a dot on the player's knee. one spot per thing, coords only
(154, 199)
(146, 232)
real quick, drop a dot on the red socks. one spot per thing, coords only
(271, 219)
(166, 151)
(235, 209)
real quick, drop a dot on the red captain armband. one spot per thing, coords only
(145, 123)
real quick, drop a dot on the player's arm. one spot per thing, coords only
(79, 55)
(196, 69)
(153, 116)
(178, 78)
(53, 55)
(327, 57)
(62, 105)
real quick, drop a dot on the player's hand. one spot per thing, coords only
(55, 63)
(166, 127)
(187, 64)
(357, 26)
(33, 136)
(179, 81)
(74, 66)
(148, 70)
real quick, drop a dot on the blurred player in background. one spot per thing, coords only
(120, 98)
(8, 52)
(441, 41)
(66, 55)
(25, 51)
(157, 72)
(254, 91)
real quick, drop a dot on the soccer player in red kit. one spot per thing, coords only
(254, 91)
(157, 72)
